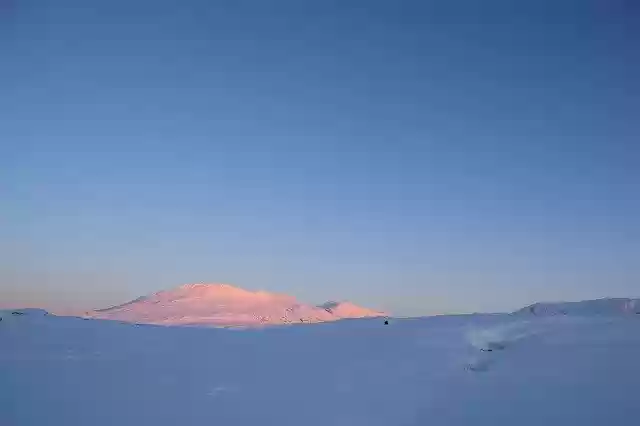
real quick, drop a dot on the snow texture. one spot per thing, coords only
(448, 370)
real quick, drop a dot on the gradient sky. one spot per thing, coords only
(409, 156)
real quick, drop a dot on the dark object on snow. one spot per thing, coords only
(493, 346)
(386, 322)
(17, 313)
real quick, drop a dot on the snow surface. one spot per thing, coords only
(502, 369)
(223, 305)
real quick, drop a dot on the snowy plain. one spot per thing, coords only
(502, 369)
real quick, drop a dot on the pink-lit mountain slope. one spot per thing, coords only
(224, 305)
(349, 310)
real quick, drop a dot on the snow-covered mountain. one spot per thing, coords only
(607, 306)
(226, 306)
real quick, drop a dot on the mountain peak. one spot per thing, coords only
(200, 286)
(206, 287)
(205, 291)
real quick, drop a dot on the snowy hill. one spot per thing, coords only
(608, 306)
(349, 310)
(224, 305)
(448, 370)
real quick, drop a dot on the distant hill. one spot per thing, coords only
(607, 306)
(227, 306)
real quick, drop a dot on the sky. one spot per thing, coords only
(415, 156)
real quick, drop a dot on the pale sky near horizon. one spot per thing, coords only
(414, 156)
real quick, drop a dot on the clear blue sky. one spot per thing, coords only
(419, 157)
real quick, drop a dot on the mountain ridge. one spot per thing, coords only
(602, 306)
